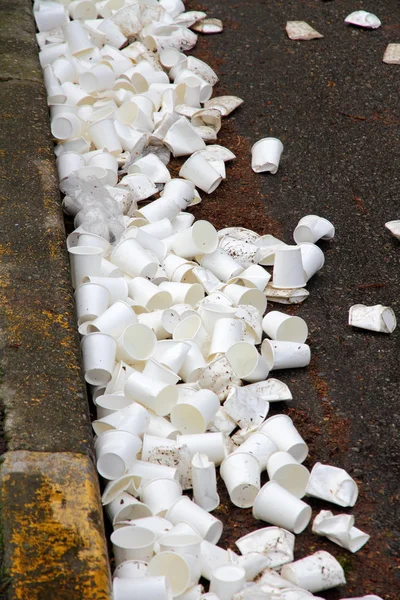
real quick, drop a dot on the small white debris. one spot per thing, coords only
(208, 26)
(340, 530)
(300, 30)
(362, 18)
(392, 54)
(394, 228)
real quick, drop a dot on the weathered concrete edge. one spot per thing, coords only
(48, 484)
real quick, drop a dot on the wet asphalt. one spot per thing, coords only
(335, 106)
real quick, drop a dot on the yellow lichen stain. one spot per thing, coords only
(55, 539)
(60, 319)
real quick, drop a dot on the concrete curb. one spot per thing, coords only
(42, 390)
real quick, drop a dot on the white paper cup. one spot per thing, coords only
(160, 494)
(91, 300)
(192, 329)
(68, 163)
(180, 571)
(221, 265)
(161, 427)
(143, 588)
(116, 286)
(171, 354)
(195, 413)
(133, 418)
(182, 221)
(315, 573)
(254, 276)
(76, 37)
(199, 239)
(182, 544)
(313, 228)
(182, 138)
(156, 370)
(193, 364)
(145, 293)
(332, 484)
(241, 474)
(228, 580)
(283, 433)
(98, 352)
(107, 404)
(204, 481)
(97, 79)
(260, 446)
(246, 362)
(211, 557)
(279, 507)
(285, 355)
(184, 510)
(375, 318)
(138, 342)
(199, 171)
(312, 257)
(282, 327)
(127, 508)
(289, 473)
(131, 569)
(266, 155)
(93, 241)
(114, 320)
(158, 396)
(227, 332)
(160, 229)
(103, 135)
(183, 293)
(211, 444)
(174, 315)
(120, 375)
(133, 543)
(131, 258)
(240, 294)
(288, 268)
(210, 313)
(85, 261)
(180, 191)
(115, 452)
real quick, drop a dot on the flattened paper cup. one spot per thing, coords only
(133, 543)
(289, 473)
(98, 352)
(283, 433)
(185, 511)
(266, 155)
(115, 452)
(282, 327)
(241, 474)
(279, 507)
(315, 573)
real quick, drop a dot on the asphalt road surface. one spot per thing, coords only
(335, 106)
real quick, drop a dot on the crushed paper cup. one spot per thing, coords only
(225, 104)
(208, 26)
(275, 543)
(362, 18)
(313, 258)
(288, 296)
(315, 573)
(392, 54)
(227, 580)
(204, 482)
(241, 474)
(340, 530)
(300, 30)
(279, 507)
(312, 228)
(245, 406)
(375, 318)
(218, 376)
(266, 154)
(332, 484)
